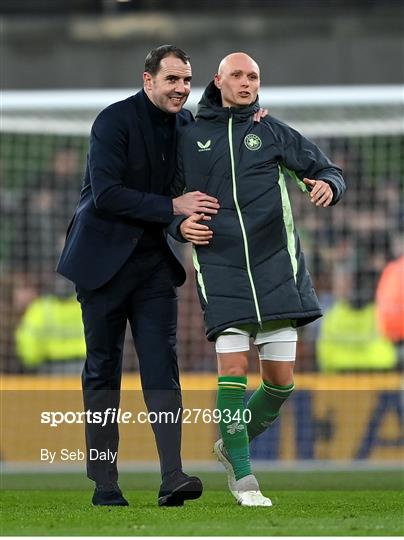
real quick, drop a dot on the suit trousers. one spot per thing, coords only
(143, 293)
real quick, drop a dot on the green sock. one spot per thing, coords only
(230, 401)
(264, 405)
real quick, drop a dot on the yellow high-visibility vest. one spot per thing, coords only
(350, 340)
(51, 329)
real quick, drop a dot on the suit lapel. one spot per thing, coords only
(146, 130)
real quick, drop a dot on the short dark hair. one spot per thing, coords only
(155, 56)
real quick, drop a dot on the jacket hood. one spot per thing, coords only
(210, 107)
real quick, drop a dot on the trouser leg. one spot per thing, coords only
(104, 328)
(153, 320)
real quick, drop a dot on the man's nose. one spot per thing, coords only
(180, 87)
(245, 81)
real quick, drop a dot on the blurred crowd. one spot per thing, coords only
(355, 254)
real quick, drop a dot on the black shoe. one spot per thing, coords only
(108, 495)
(181, 487)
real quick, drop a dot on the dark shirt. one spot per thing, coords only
(164, 136)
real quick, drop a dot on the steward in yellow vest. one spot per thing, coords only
(350, 340)
(51, 329)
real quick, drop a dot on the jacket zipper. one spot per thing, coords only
(240, 217)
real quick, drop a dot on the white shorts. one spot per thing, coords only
(278, 345)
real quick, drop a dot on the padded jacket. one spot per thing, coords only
(253, 270)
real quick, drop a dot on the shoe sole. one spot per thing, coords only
(254, 505)
(109, 498)
(111, 504)
(184, 492)
(226, 464)
(265, 502)
(122, 502)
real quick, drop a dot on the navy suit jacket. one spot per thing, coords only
(121, 194)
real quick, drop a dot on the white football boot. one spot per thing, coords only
(246, 490)
(219, 451)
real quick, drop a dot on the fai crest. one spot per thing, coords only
(252, 142)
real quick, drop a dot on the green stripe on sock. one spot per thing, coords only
(281, 389)
(232, 379)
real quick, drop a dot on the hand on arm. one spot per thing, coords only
(320, 192)
(195, 202)
(195, 232)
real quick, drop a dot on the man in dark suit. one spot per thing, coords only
(117, 255)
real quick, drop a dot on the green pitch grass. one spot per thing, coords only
(305, 503)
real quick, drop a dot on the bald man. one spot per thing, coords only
(252, 279)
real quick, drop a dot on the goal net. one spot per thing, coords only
(44, 143)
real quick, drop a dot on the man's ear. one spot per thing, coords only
(147, 81)
(217, 82)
